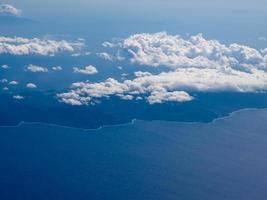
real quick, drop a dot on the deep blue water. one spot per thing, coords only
(225, 159)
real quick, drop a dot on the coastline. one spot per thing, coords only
(133, 121)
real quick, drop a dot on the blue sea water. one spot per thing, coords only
(224, 159)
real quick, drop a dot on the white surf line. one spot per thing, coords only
(133, 121)
(20, 124)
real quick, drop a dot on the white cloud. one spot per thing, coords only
(161, 49)
(81, 54)
(163, 96)
(85, 93)
(126, 97)
(105, 56)
(262, 38)
(5, 67)
(109, 57)
(5, 89)
(4, 80)
(73, 98)
(31, 86)
(7, 9)
(18, 97)
(13, 83)
(86, 70)
(36, 69)
(57, 68)
(142, 74)
(36, 46)
(109, 45)
(124, 74)
(193, 65)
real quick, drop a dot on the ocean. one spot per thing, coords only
(223, 159)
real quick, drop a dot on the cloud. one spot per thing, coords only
(109, 45)
(36, 46)
(18, 97)
(57, 68)
(161, 49)
(4, 80)
(81, 54)
(109, 57)
(36, 69)
(84, 93)
(163, 96)
(31, 86)
(192, 65)
(86, 70)
(105, 56)
(13, 83)
(6, 9)
(262, 38)
(5, 67)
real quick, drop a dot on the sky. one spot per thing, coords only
(228, 20)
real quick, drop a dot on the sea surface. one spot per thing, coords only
(223, 159)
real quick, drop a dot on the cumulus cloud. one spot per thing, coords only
(86, 70)
(163, 96)
(6, 9)
(192, 65)
(161, 49)
(85, 93)
(36, 46)
(31, 86)
(36, 69)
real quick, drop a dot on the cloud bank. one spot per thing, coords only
(161, 49)
(36, 46)
(187, 65)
